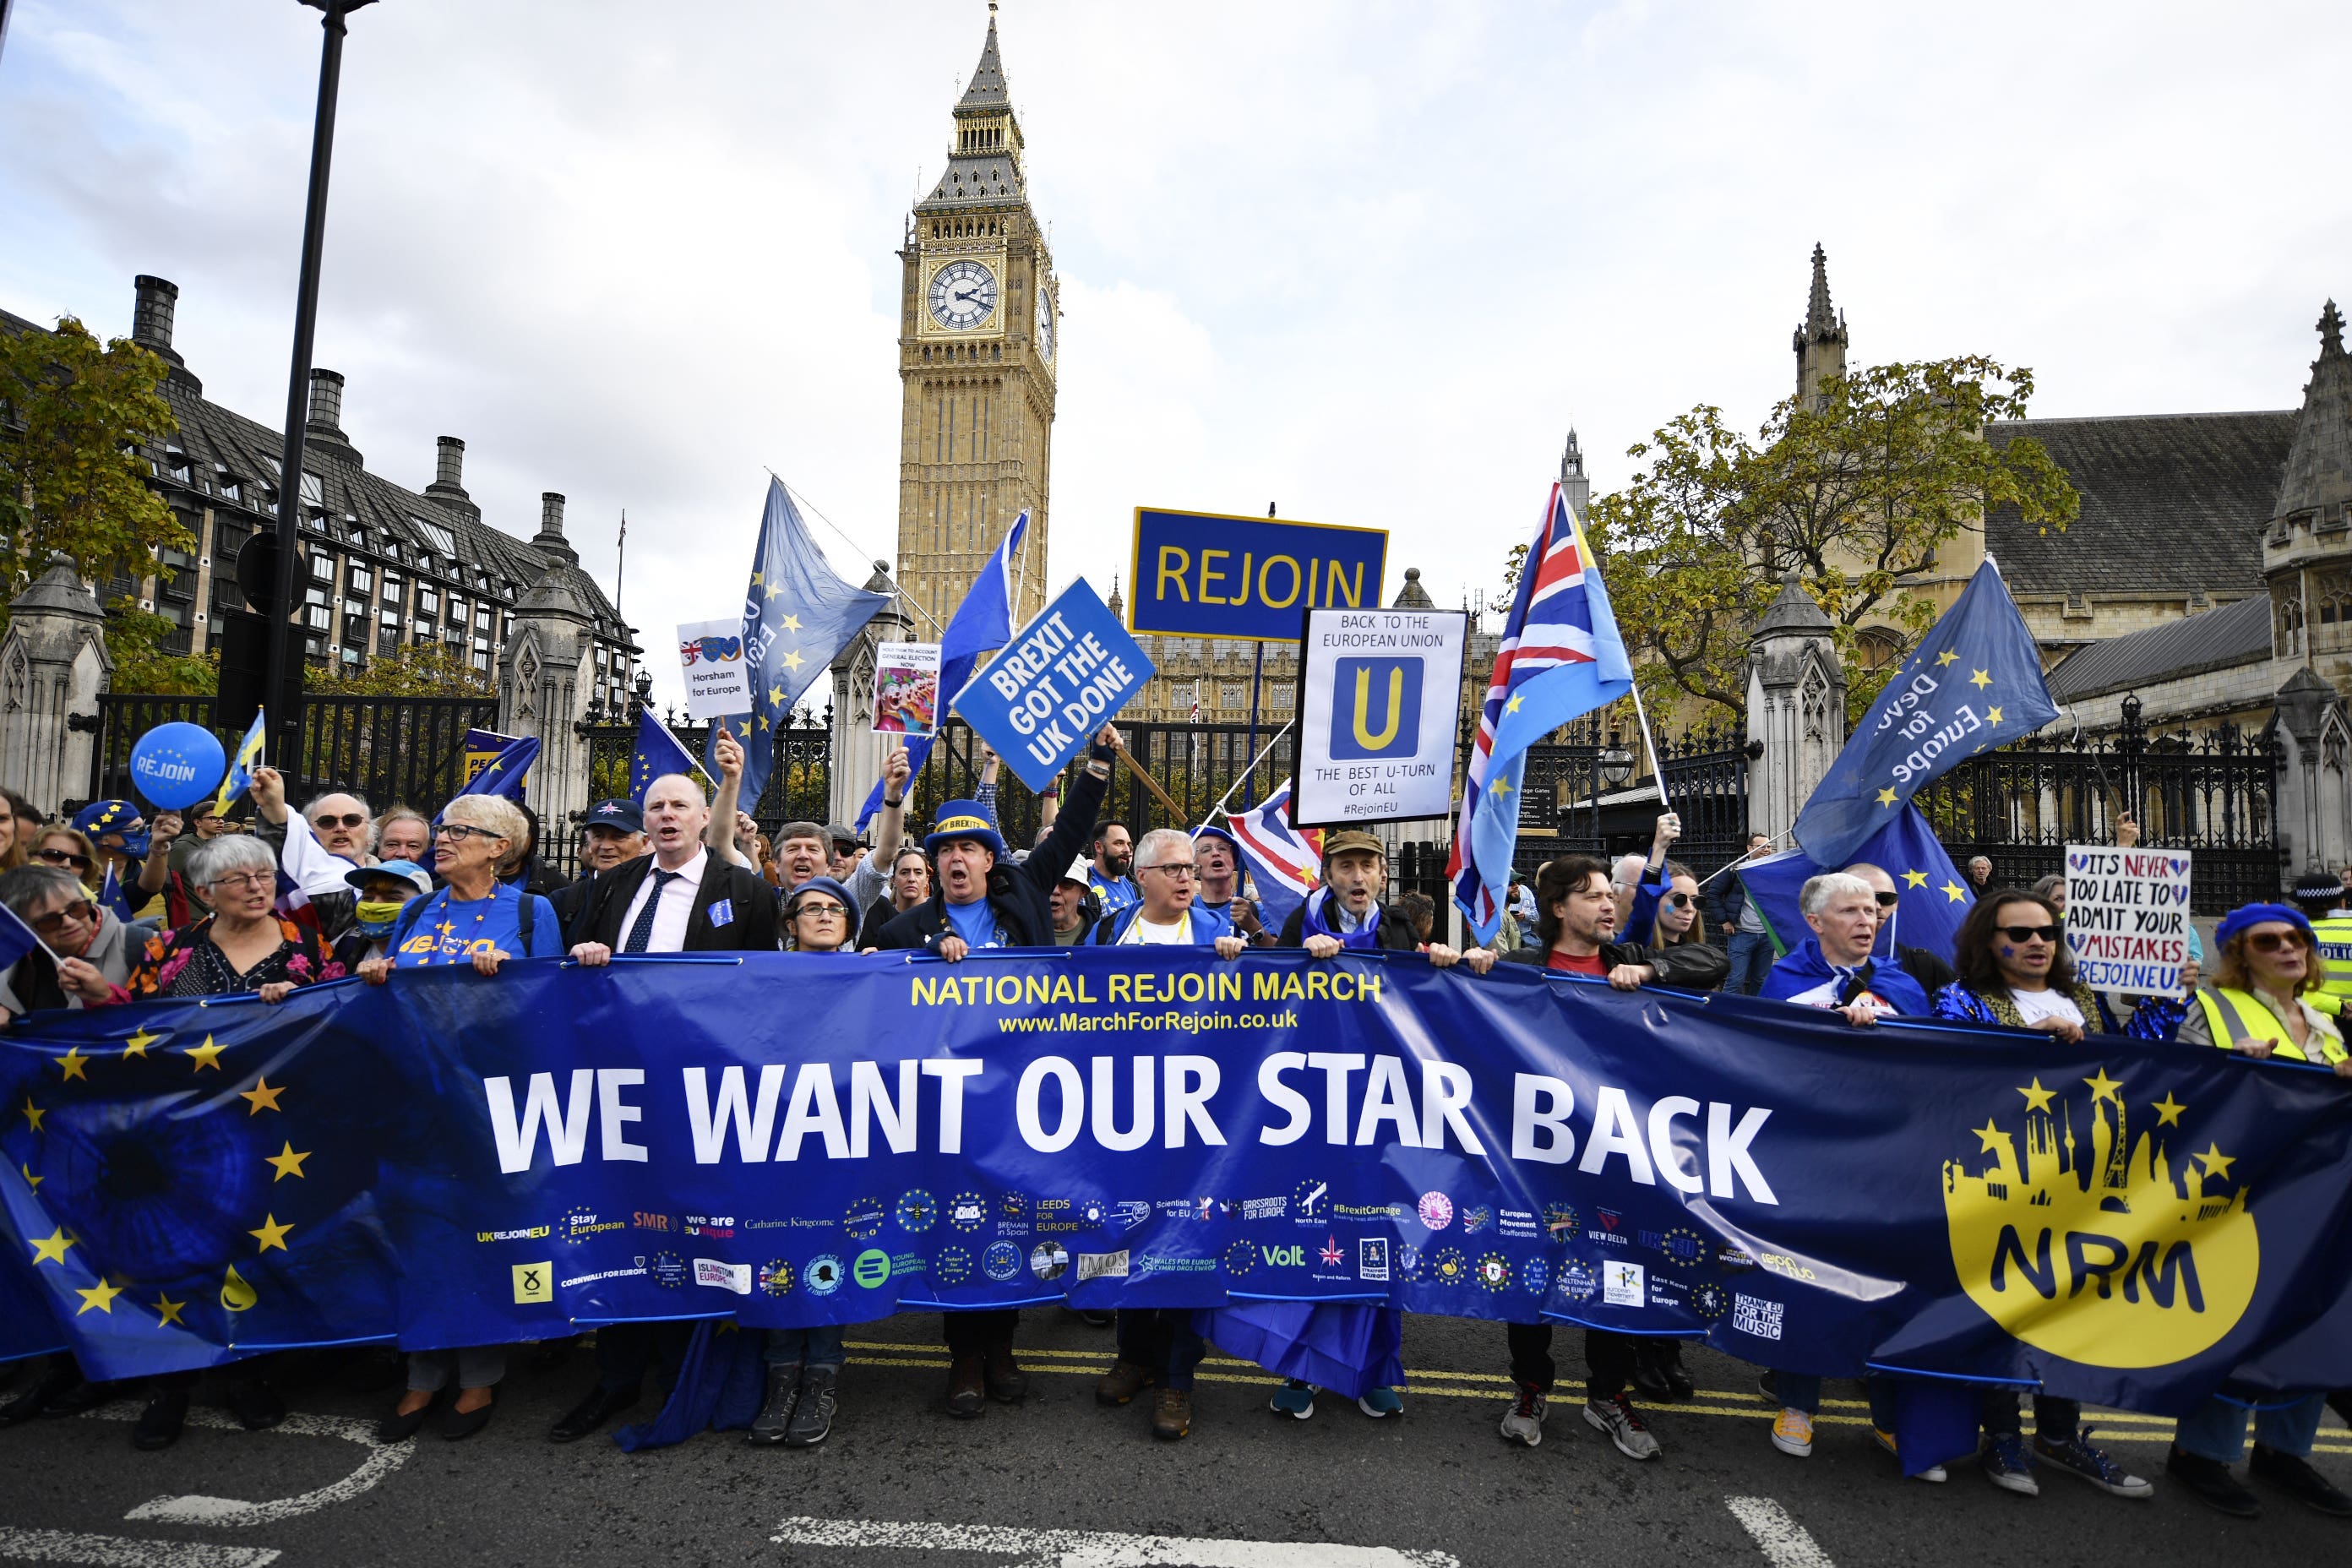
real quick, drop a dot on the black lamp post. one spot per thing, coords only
(285, 677)
(1616, 762)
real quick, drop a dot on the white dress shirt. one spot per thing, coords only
(677, 903)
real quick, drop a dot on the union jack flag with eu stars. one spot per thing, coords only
(1561, 658)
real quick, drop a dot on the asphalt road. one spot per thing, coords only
(1059, 1480)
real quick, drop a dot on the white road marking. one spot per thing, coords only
(1784, 1542)
(123, 1551)
(1101, 1548)
(382, 1460)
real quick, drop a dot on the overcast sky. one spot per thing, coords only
(1368, 261)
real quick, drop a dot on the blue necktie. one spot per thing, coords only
(642, 931)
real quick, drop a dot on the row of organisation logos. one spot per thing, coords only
(1465, 1257)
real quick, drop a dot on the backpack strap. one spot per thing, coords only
(529, 901)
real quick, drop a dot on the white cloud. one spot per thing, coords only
(1367, 260)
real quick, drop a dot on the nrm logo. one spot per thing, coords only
(2085, 1240)
(1375, 708)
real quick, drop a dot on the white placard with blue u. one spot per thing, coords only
(1379, 695)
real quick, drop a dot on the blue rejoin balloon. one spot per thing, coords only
(176, 765)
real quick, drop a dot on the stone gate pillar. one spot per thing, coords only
(53, 664)
(1796, 708)
(2314, 802)
(546, 678)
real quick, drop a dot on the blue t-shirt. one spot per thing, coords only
(1116, 894)
(449, 929)
(976, 923)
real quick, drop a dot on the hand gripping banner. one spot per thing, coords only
(454, 1159)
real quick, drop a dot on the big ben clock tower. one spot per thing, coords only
(976, 354)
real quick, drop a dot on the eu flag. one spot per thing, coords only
(1934, 898)
(657, 754)
(797, 617)
(980, 624)
(503, 773)
(1974, 683)
(1561, 658)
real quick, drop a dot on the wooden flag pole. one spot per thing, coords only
(1175, 811)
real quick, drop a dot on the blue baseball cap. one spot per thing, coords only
(1211, 830)
(401, 870)
(620, 816)
(962, 819)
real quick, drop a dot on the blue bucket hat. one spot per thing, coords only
(827, 884)
(2239, 920)
(962, 819)
(407, 872)
(100, 818)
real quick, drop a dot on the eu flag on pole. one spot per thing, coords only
(797, 617)
(1561, 658)
(657, 753)
(16, 938)
(1932, 897)
(980, 624)
(1973, 683)
(112, 896)
(503, 774)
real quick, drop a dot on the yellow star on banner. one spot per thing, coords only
(792, 623)
(772, 592)
(31, 1180)
(33, 1113)
(1915, 879)
(2216, 1164)
(286, 1162)
(2168, 1110)
(52, 1250)
(757, 578)
(101, 1295)
(271, 1233)
(1513, 705)
(74, 1062)
(261, 1097)
(136, 1045)
(206, 1055)
(2038, 1097)
(763, 722)
(1979, 681)
(747, 729)
(1887, 797)
(776, 696)
(2105, 1088)
(1992, 715)
(1502, 786)
(1955, 892)
(167, 1311)
(1946, 659)
(793, 660)
(1990, 1135)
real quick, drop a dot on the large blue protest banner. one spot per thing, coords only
(1206, 574)
(458, 1160)
(1057, 681)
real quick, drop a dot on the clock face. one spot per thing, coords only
(1045, 323)
(964, 295)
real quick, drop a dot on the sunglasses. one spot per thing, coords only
(2031, 933)
(63, 858)
(1888, 900)
(349, 819)
(1680, 900)
(2275, 940)
(56, 919)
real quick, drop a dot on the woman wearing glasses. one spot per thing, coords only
(478, 918)
(242, 945)
(96, 949)
(68, 850)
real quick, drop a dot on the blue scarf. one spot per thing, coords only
(1311, 922)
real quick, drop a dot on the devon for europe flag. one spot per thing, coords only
(1561, 658)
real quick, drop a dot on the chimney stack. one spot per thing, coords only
(448, 486)
(323, 430)
(550, 541)
(151, 313)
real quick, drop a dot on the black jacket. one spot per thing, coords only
(1394, 933)
(1730, 901)
(1685, 966)
(1931, 972)
(754, 928)
(1021, 895)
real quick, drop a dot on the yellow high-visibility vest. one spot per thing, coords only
(2234, 1015)
(2335, 933)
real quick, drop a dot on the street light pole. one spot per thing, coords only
(285, 679)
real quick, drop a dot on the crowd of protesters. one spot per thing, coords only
(190, 904)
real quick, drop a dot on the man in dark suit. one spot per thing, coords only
(614, 835)
(983, 899)
(679, 898)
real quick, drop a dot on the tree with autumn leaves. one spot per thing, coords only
(1856, 491)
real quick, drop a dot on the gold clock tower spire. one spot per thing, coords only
(977, 349)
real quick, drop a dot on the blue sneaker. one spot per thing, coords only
(2075, 1456)
(1382, 1402)
(2007, 1466)
(1294, 1399)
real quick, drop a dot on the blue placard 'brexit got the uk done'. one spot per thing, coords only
(1057, 681)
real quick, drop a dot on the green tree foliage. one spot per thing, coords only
(415, 670)
(1857, 496)
(74, 415)
(135, 637)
